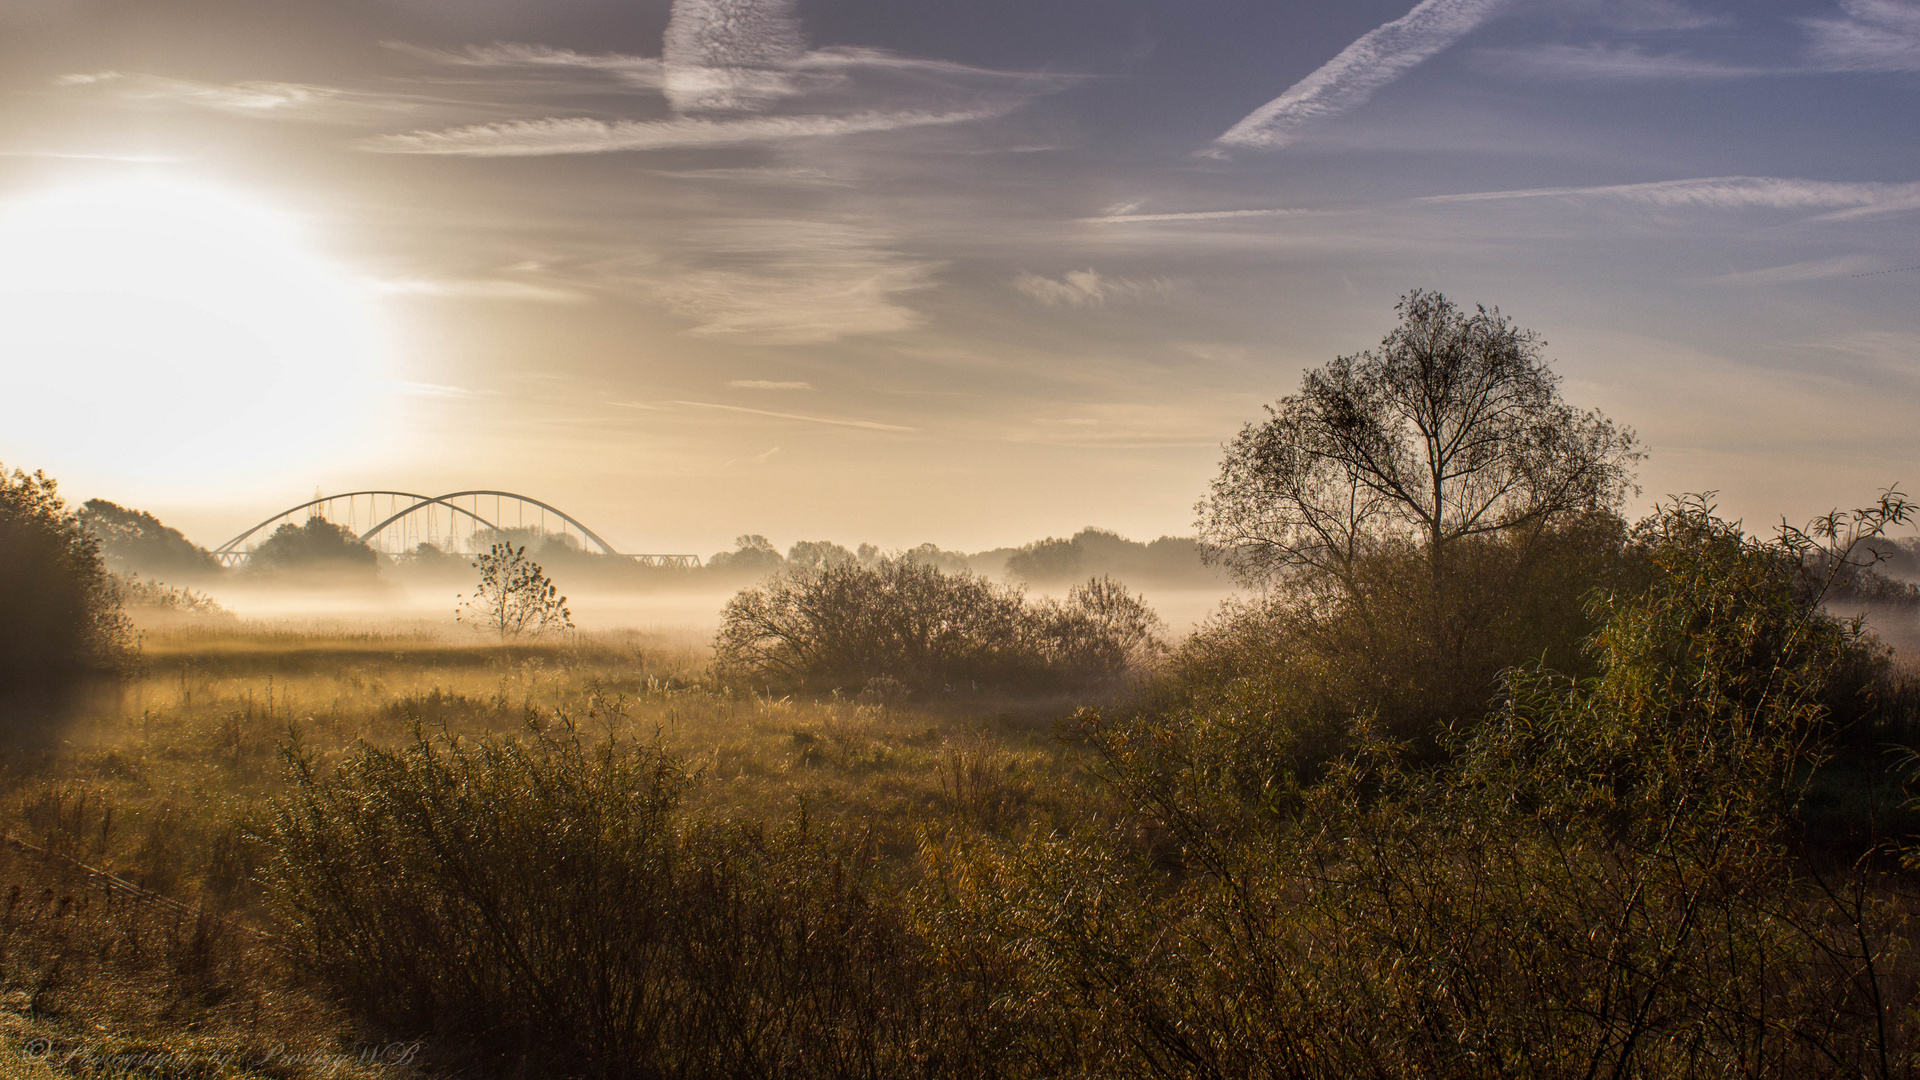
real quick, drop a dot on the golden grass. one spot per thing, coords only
(155, 782)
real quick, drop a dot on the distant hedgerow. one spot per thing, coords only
(844, 626)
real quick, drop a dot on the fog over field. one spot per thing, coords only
(861, 539)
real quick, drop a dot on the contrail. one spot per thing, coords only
(1379, 57)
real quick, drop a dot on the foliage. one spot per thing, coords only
(540, 898)
(814, 554)
(754, 556)
(158, 596)
(319, 545)
(62, 612)
(514, 597)
(1381, 656)
(1426, 515)
(1091, 552)
(1600, 882)
(137, 542)
(902, 619)
(1454, 429)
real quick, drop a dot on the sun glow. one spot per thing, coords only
(153, 328)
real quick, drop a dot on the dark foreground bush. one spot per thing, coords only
(60, 615)
(901, 620)
(1606, 878)
(540, 902)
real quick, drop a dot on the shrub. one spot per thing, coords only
(1298, 675)
(845, 625)
(62, 612)
(1601, 880)
(160, 598)
(514, 596)
(541, 900)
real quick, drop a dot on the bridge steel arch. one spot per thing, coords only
(231, 551)
(605, 548)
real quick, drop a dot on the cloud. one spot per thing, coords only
(477, 289)
(433, 390)
(1641, 16)
(1809, 270)
(640, 71)
(1378, 58)
(241, 98)
(788, 281)
(722, 57)
(1194, 215)
(766, 384)
(532, 138)
(1847, 198)
(1084, 288)
(868, 425)
(1608, 62)
(730, 54)
(1872, 35)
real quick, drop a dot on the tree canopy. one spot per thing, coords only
(317, 545)
(62, 610)
(134, 540)
(1453, 428)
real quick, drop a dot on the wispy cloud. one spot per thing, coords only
(1609, 62)
(1807, 270)
(1871, 35)
(241, 98)
(868, 425)
(1378, 58)
(1846, 198)
(1084, 288)
(533, 138)
(788, 281)
(1640, 16)
(478, 289)
(768, 384)
(1194, 215)
(639, 71)
(724, 64)
(434, 390)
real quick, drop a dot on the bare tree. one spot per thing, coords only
(514, 596)
(1453, 428)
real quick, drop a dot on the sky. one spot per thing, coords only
(900, 271)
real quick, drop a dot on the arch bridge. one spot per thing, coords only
(462, 522)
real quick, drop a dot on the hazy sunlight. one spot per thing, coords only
(198, 325)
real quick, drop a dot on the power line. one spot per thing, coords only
(1895, 270)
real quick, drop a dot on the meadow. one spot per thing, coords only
(137, 926)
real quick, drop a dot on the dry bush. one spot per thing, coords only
(903, 622)
(1603, 881)
(540, 900)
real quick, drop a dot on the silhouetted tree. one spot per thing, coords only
(814, 554)
(1100, 552)
(1453, 429)
(514, 597)
(1411, 505)
(60, 614)
(754, 555)
(136, 541)
(317, 545)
